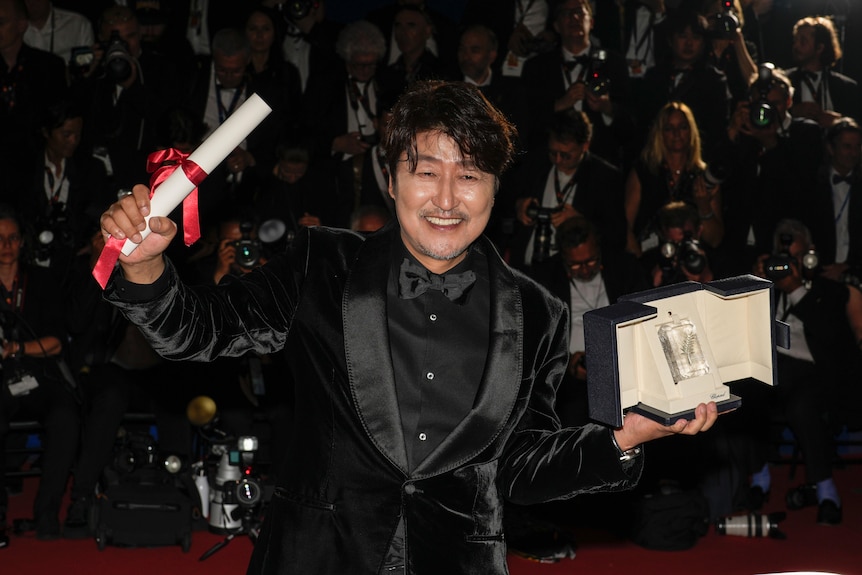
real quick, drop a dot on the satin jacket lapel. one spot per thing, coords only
(501, 381)
(366, 348)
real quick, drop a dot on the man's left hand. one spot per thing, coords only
(637, 429)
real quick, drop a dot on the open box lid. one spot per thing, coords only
(627, 366)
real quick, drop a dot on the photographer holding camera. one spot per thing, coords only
(825, 319)
(568, 182)
(729, 51)
(580, 76)
(130, 86)
(775, 159)
(681, 255)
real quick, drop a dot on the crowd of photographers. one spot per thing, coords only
(660, 141)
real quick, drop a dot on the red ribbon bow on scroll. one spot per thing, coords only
(161, 165)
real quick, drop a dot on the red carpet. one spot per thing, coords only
(808, 547)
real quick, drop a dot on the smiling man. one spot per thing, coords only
(426, 368)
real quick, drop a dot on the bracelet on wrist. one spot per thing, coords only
(628, 454)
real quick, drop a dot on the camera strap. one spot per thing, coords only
(564, 192)
(224, 113)
(13, 300)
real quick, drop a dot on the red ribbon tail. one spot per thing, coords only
(191, 222)
(107, 260)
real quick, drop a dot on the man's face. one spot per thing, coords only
(805, 50)
(411, 31)
(362, 67)
(12, 26)
(779, 101)
(64, 140)
(566, 155)
(574, 23)
(230, 70)
(10, 242)
(846, 151)
(676, 132)
(475, 55)
(442, 206)
(677, 234)
(583, 262)
(687, 47)
(129, 32)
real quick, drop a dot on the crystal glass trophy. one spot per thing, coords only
(682, 349)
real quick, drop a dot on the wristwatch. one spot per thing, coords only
(628, 454)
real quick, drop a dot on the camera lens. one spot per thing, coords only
(248, 492)
(761, 115)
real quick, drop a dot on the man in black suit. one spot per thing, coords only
(773, 160)
(221, 86)
(342, 110)
(833, 210)
(30, 80)
(821, 93)
(580, 76)
(477, 53)
(129, 87)
(585, 275)
(425, 367)
(567, 181)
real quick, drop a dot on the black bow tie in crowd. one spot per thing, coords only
(415, 280)
(838, 178)
(569, 65)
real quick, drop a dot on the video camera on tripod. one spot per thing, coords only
(231, 492)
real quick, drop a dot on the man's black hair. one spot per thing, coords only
(455, 109)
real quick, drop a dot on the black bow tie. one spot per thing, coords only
(569, 65)
(415, 280)
(838, 178)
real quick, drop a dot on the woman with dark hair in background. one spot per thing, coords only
(34, 385)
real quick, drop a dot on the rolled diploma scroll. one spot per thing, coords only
(208, 155)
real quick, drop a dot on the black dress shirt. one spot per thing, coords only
(436, 388)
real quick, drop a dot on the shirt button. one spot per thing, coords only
(409, 489)
(433, 317)
(422, 437)
(430, 375)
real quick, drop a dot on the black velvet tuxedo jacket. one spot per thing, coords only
(337, 505)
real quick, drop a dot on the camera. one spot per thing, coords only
(778, 265)
(52, 232)
(686, 253)
(237, 491)
(231, 490)
(752, 525)
(80, 59)
(725, 24)
(247, 248)
(544, 231)
(596, 80)
(297, 9)
(134, 451)
(761, 114)
(118, 61)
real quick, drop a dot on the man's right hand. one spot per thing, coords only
(125, 219)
